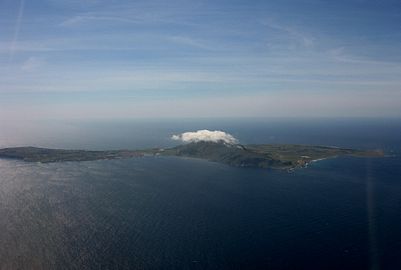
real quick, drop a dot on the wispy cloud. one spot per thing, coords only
(32, 63)
(188, 41)
(140, 12)
(294, 35)
(17, 29)
(81, 19)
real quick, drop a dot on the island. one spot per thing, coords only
(276, 156)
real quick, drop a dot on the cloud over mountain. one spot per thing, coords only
(206, 136)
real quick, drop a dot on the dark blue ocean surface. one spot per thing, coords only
(172, 213)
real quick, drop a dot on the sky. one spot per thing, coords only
(84, 59)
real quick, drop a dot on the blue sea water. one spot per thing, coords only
(173, 213)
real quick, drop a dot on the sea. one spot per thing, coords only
(182, 213)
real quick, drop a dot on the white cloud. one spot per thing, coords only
(206, 136)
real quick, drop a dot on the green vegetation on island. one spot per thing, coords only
(280, 156)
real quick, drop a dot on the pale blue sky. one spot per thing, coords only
(113, 59)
